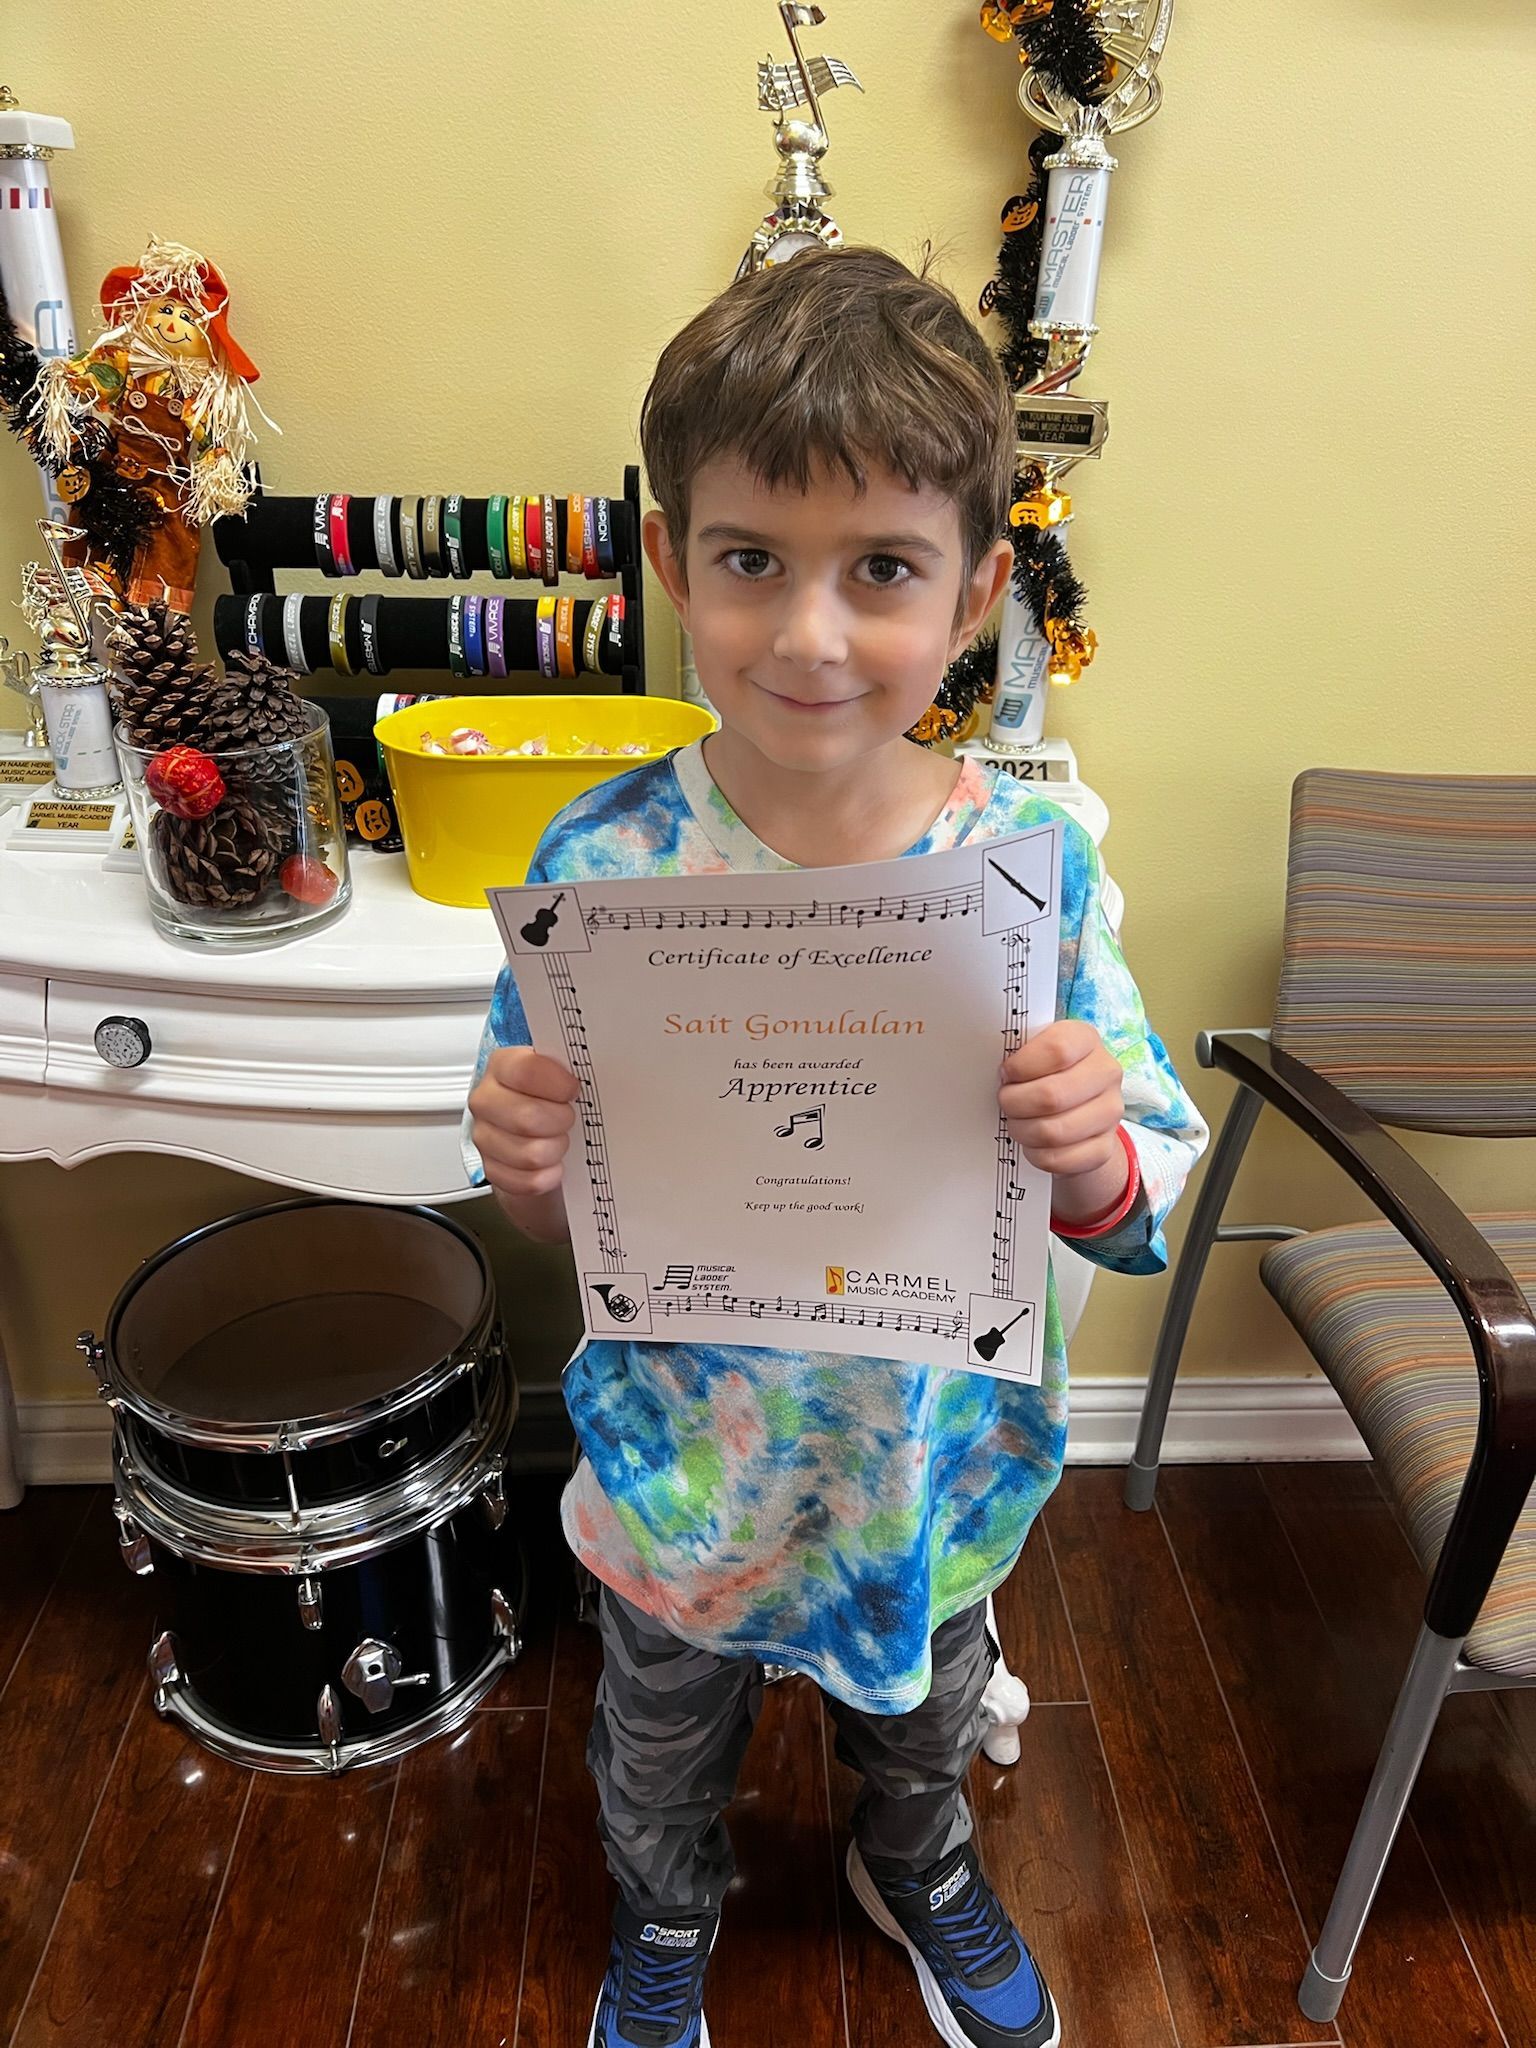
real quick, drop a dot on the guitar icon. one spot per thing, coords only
(988, 1345)
(543, 922)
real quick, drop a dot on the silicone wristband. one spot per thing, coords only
(457, 664)
(341, 547)
(336, 633)
(253, 640)
(368, 634)
(474, 634)
(325, 559)
(410, 538)
(565, 635)
(544, 627)
(496, 636)
(453, 536)
(384, 536)
(293, 634)
(1098, 1226)
(533, 535)
(589, 565)
(574, 520)
(496, 536)
(517, 542)
(432, 536)
(607, 557)
(592, 639)
(616, 625)
(549, 547)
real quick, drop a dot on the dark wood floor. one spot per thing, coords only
(1211, 1683)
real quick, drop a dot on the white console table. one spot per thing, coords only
(336, 1064)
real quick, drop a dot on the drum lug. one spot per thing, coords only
(132, 1543)
(373, 1671)
(163, 1670)
(494, 1497)
(94, 1352)
(506, 1623)
(328, 1716)
(310, 1603)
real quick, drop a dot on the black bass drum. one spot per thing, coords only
(307, 1624)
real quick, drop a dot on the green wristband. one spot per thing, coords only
(456, 661)
(432, 536)
(496, 536)
(453, 536)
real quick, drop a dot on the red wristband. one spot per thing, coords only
(341, 547)
(1097, 1226)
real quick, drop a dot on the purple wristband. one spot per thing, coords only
(496, 636)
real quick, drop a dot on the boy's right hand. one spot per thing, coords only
(523, 1112)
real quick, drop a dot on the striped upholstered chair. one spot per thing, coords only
(1407, 997)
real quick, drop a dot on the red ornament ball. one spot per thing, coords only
(185, 782)
(308, 880)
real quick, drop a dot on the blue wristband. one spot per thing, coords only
(474, 634)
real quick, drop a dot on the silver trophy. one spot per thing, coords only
(798, 221)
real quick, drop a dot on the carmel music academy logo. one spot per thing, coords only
(865, 1284)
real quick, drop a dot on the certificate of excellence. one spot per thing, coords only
(788, 1131)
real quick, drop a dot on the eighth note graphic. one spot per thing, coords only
(988, 1345)
(1014, 883)
(804, 1116)
(544, 921)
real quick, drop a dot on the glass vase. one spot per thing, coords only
(266, 863)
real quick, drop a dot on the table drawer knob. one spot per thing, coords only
(123, 1041)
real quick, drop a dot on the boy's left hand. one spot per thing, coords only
(1061, 1093)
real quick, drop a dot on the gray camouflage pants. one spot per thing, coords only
(672, 1725)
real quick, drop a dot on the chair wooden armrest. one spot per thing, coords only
(1486, 1294)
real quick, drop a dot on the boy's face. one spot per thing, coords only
(823, 620)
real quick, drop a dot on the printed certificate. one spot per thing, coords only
(788, 1131)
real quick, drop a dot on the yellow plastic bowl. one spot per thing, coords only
(471, 822)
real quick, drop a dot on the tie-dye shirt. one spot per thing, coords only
(815, 1510)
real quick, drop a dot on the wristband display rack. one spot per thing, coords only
(412, 632)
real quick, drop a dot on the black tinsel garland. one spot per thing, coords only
(18, 373)
(1011, 295)
(117, 515)
(1065, 47)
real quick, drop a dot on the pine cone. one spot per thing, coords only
(256, 707)
(218, 862)
(161, 692)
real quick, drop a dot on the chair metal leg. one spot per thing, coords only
(1397, 1767)
(1141, 1474)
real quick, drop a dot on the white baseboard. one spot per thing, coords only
(1211, 1422)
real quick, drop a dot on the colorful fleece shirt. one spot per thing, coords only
(818, 1511)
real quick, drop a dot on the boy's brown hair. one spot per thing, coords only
(843, 356)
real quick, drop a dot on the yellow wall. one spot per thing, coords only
(457, 241)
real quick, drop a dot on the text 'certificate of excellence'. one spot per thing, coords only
(788, 1132)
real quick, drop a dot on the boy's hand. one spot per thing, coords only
(523, 1118)
(1062, 1095)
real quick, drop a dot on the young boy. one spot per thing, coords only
(831, 446)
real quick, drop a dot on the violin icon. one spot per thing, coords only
(543, 922)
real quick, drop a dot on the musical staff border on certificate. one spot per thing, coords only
(860, 1315)
(573, 1033)
(1008, 1192)
(937, 904)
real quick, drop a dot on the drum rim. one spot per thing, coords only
(311, 1756)
(230, 1546)
(331, 1425)
(216, 1518)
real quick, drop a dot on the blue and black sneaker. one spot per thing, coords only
(980, 1983)
(653, 1994)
